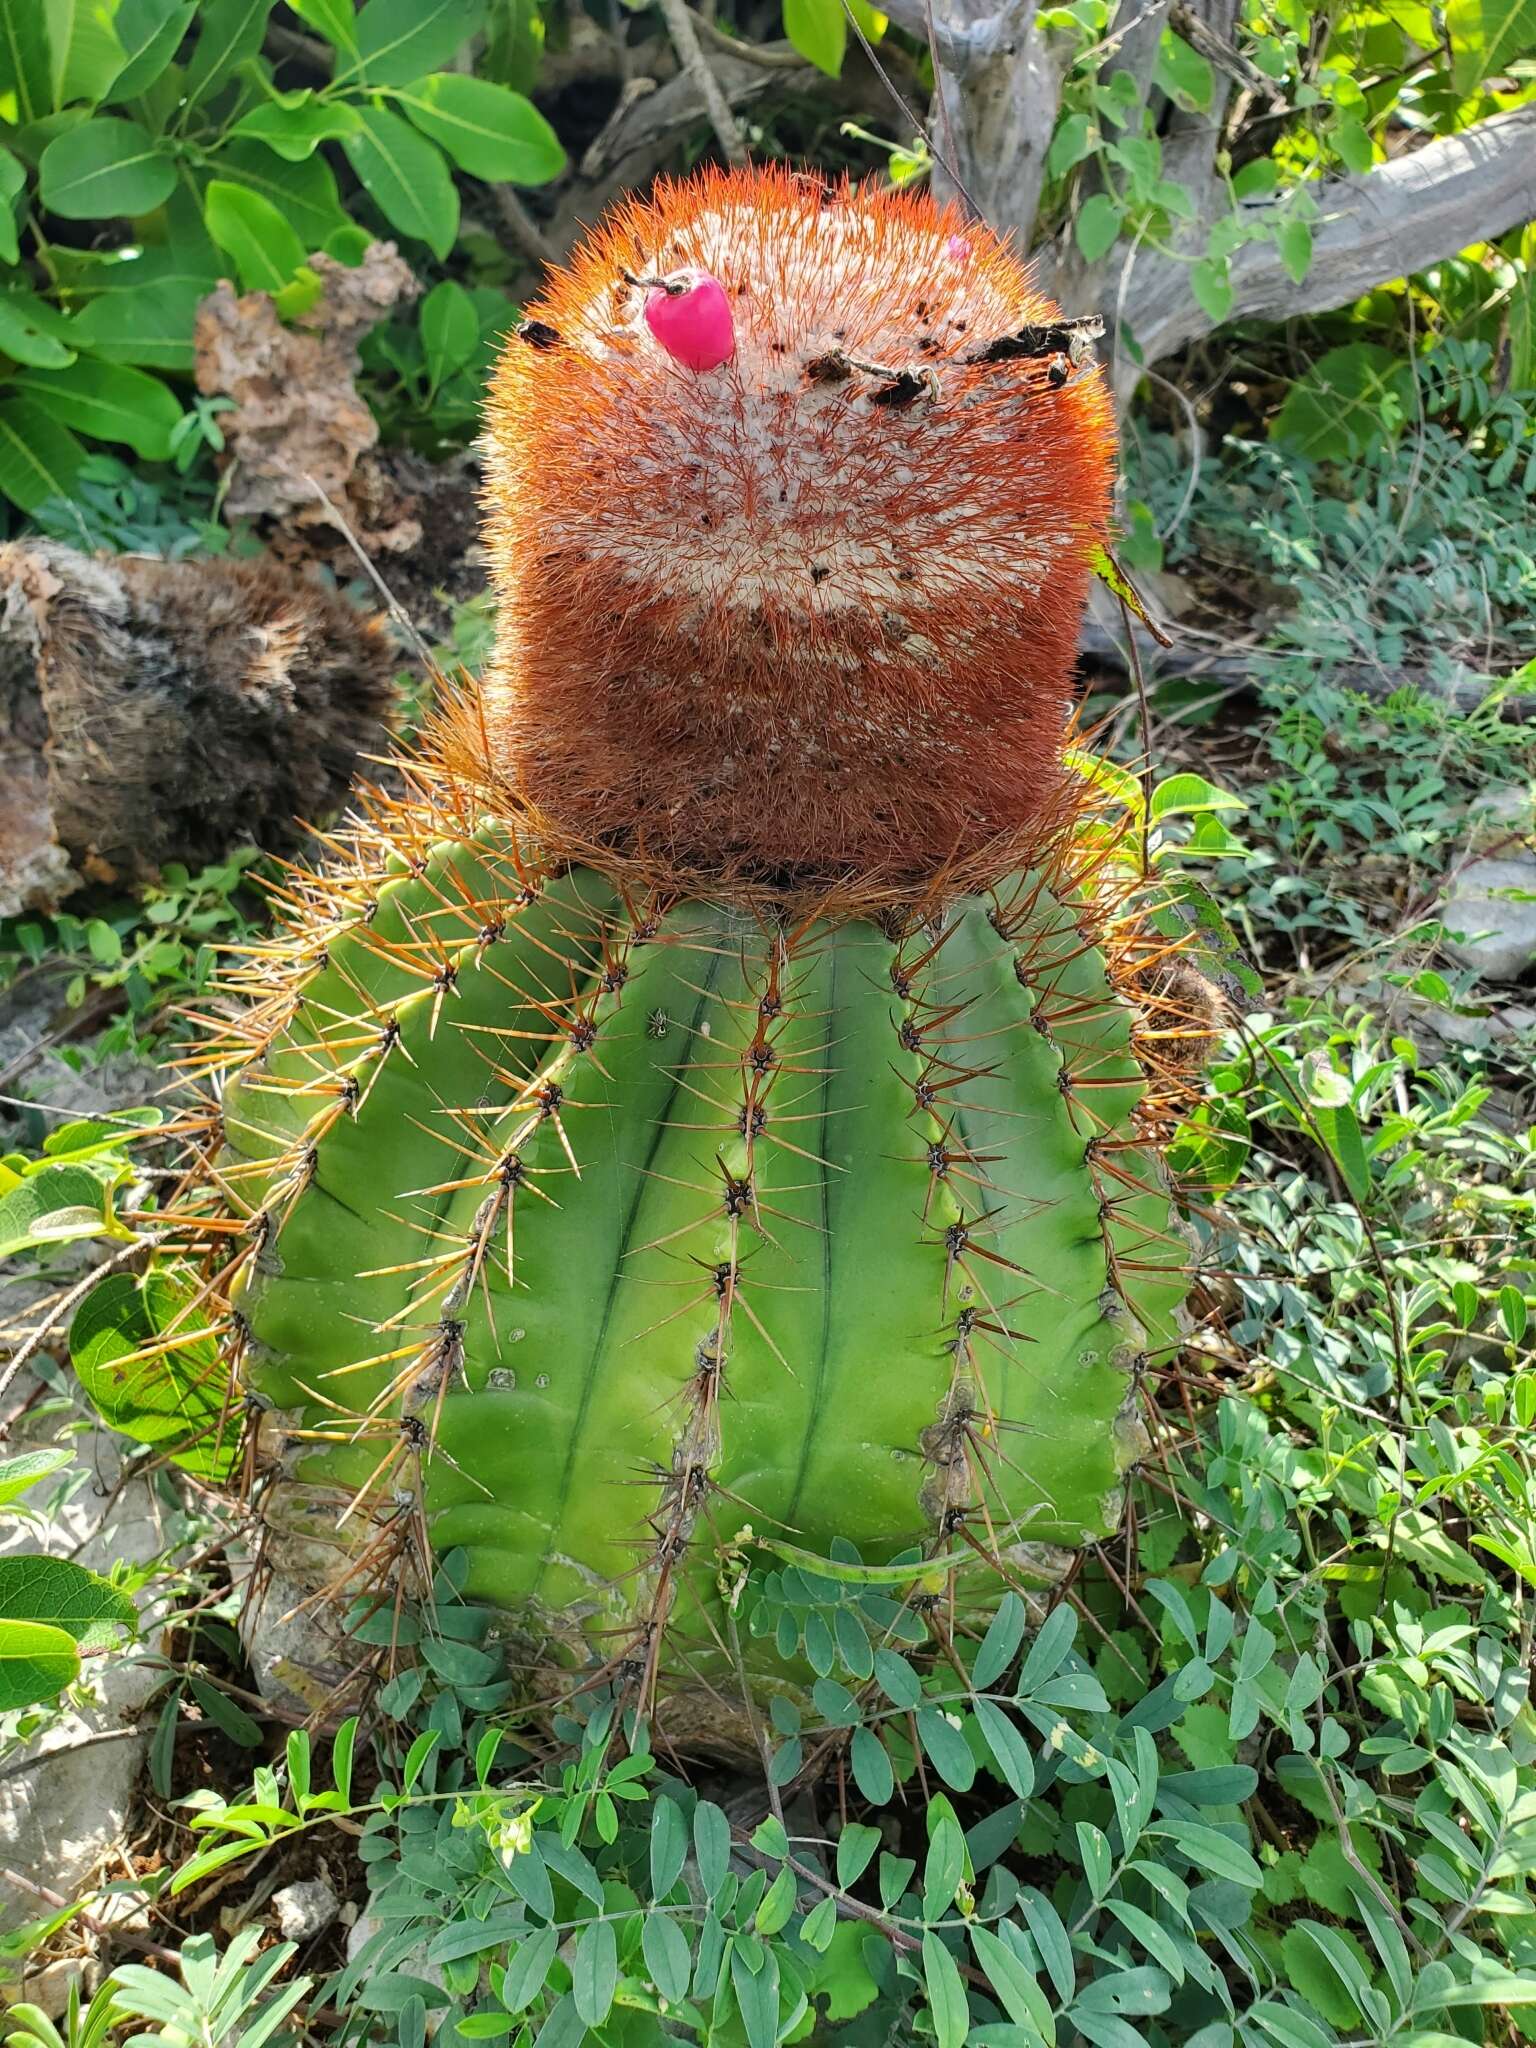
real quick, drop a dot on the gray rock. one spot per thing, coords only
(1497, 930)
(305, 1909)
(71, 1798)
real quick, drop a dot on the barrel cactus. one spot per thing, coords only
(721, 1102)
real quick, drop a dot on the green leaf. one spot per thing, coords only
(1073, 140)
(24, 60)
(62, 1595)
(150, 32)
(1000, 1644)
(1484, 35)
(667, 1957)
(855, 1846)
(871, 1767)
(335, 19)
(1017, 1992)
(488, 130)
(54, 1204)
(173, 1398)
(944, 1867)
(1352, 399)
(1010, 1752)
(669, 1846)
(1212, 1852)
(13, 178)
(294, 127)
(946, 1748)
(18, 1474)
(229, 34)
(1352, 140)
(109, 402)
(1183, 74)
(405, 177)
(757, 1993)
(104, 168)
(1211, 283)
(778, 1903)
(947, 2002)
(266, 251)
(39, 460)
(150, 326)
(36, 1662)
(450, 330)
(85, 55)
(1293, 238)
(711, 1846)
(528, 1969)
(398, 40)
(32, 333)
(1184, 794)
(1513, 1313)
(819, 31)
(1098, 226)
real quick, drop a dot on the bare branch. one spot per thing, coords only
(1422, 208)
(685, 40)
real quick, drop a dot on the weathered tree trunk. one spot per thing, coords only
(999, 88)
(154, 711)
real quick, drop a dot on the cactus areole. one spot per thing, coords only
(722, 1095)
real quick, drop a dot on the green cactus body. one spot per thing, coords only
(606, 1228)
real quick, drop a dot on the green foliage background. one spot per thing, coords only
(1267, 1775)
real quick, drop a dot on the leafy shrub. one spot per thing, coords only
(146, 149)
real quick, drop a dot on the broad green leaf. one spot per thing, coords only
(106, 168)
(669, 1846)
(946, 1748)
(1073, 140)
(172, 1398)
(32, 333)
(1179, 795)
(871, 1766)
(266, 251)
(304, 193)
(944, 1867)
(112, 403)
(13, 178)
(398, 40)
(1352, 140)
(150, 32)
(856, 1844)
(488, 130)
(1484, 35)
(150, 326)
(18, 1474)
(1350, 400)
(1293, 238)
(1000, 1644)
(57, 1203)
(947, 2002)
(406, 178)
(1017, 1992)
(335, 19)
(819, 31)
(24, 62)
(36, 1663)
(1211, 282)
(295, 126)
(711, 1846)
(39, 460)
(229, 34)
(450, 330)
(757, 1993)
(84, 53)
(1183, 74)
(1097, 227)
(667, 1956)
(527, 1969)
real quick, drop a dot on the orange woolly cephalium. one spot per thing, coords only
(793, 497)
